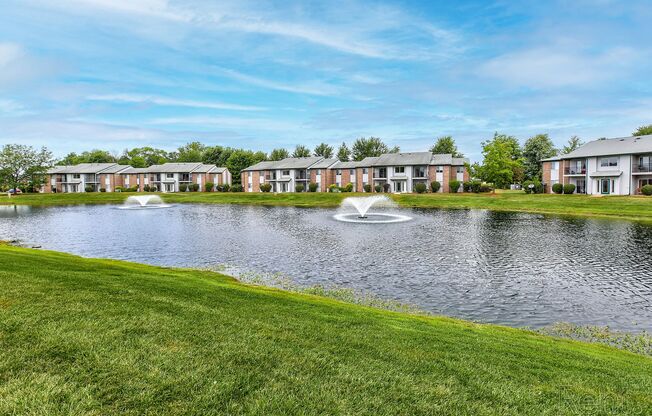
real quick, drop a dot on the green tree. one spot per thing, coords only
(371, 147)
(445, 145)
(23, 166)
(343, 153)
(217, 155)
(301, 151)
(502, 164)
(643, 130)
(536, 148)
(142, 157)
(279, 154)
(573, 144)
(190, 152)
(395, 149)
(324, 150)
(93, 156)
(240, 159)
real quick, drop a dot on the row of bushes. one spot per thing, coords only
(558, 188)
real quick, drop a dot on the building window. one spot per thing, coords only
(554, 166)
(609, 162)
(169, 175)
(419, 171)
(339, 172)
(365, 170)
(399, 169)
(460, 169)
(318, 171)
(440, 169)
(76, 176)
(286, 173)
(351, 172)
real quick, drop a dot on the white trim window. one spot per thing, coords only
(169, 175)
(399, 169)
(609, 162)
(440, 169)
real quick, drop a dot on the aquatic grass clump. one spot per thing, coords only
(639, 343)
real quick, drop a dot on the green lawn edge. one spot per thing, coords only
(632, 208)
(93, 336)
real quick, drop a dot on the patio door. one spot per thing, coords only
(605, 186)
(169, 187)
(399, 186)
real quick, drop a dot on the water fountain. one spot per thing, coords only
(362, 206)
(144, 202)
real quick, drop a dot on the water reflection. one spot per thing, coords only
(509, 268)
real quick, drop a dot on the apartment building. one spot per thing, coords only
(93, 177)
(85, 176)
(169, 177)
(397, 172)
(620, 166)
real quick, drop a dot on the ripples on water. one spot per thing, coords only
(507, 268)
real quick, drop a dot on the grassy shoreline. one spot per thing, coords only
(635, 208)
(91, 336)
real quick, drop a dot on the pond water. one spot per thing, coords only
(506, 268)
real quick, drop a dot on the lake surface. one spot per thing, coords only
(506, 268)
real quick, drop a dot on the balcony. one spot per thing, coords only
(575, 170)
(642, 167)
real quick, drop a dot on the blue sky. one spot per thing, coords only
(77, 75)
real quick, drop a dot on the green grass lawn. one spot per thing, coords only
(85, 336)
(626, 207)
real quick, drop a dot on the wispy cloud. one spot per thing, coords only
(313, 88)
(172, 102)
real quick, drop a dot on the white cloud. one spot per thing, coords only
(314, 88)
(172, 102)
(559, 67)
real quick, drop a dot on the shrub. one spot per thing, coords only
(102, 189)
(558, 188)
(120, 189)
(89, 188)
(348, 187)
(146, 188)
(133, 189)
(195, 187)
(225, 187)
(435, 186)
(183, 187)
(367, 188)
(333, 188)
(208, 186)
(378, 188)
(153, 188)
(569, 188)
(264, 187)
(236, 188)
(386, 187)
(312, 187)
(420, 187)
(536, 188)
(454, 186)
(299, 188)
(467, 186)
(646, 190)
(485, 187)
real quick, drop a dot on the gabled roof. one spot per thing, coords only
(298, 162)
(324, 164)
(83, 168)
(204, 168)
(173, 168)
(133, 171)
(57, 169)
(348, 165)
(609, 147)
(397, 159)
(264, 165)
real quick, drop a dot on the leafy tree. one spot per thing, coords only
(343, 153)
(324, 150)
(190, 152)
(301, 151)
(536, 148)
(445, 145)
(573, 144)
(371, 147)
(217, 155)
(241, 159)
(643, 130)
(93, 156)
(142, 157)
(502, 164)
(395, 149)
(23, 166)
(279, 154)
